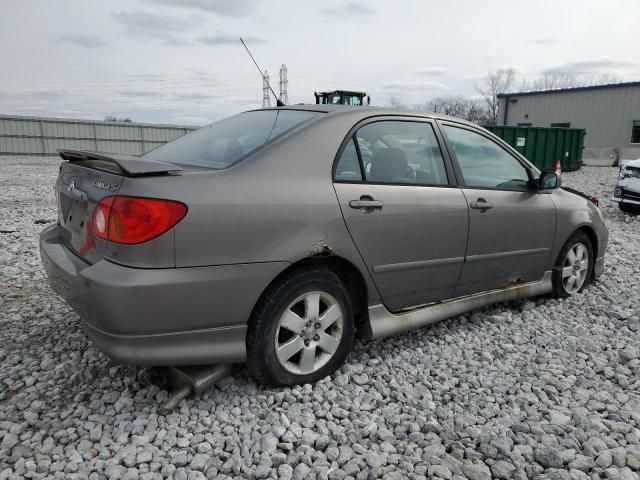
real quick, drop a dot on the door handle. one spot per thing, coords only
(481, 204)
(366, 203)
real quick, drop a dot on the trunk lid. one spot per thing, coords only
(84, 180)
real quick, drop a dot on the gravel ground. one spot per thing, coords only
(532, 389)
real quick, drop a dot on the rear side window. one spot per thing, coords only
(223, 143)
(348, 167)
(401, 152)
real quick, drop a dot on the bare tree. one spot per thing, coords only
(496, 81)
(113, 118)
(457, 106)
(551, 82)
(395, 102)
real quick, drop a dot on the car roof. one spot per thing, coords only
(369, 111)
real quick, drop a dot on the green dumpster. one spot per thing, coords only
(545, 146)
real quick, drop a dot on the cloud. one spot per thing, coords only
(47, 94)
(406, 85)
(137, 93)
(84, 41)
(349, 10)
(434, 71)
(182, 96)
(543, 41)
(588, 66)
(152, 26)
(186, 120)
(227, 8)
(147, 76)
(227, 39)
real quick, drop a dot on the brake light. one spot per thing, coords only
(593, 199)
(130, 220)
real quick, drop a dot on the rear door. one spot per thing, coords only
(403, 210)
(511, 226)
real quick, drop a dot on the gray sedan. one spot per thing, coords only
(274, 236)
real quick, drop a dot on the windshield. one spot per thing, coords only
(223, 143)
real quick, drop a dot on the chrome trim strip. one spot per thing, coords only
(397, 267)
(494, 256)
(383, 323)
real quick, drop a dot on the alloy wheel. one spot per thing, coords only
(575, 268)
(309, 332)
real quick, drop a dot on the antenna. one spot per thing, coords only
(265, 79)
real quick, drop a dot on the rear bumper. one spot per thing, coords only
(213, 345)
(176, 316)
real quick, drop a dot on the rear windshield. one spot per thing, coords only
(223, 143)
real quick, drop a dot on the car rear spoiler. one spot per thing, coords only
(128, 164)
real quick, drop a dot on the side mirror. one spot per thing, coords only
(549, 181)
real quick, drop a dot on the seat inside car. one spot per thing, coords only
(388, 165)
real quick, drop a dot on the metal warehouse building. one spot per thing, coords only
(610, 114)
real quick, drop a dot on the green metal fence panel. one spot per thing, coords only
(545, 146)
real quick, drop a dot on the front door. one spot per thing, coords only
(511, 225)
(403, 211)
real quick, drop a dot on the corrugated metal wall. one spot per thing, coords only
(43, 136)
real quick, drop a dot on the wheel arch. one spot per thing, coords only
(348, 273)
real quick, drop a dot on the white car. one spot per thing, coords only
(627, 191)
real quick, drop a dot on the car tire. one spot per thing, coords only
(573, 269)
(301, 329)
(627, 208)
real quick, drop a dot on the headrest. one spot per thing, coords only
(389, 164)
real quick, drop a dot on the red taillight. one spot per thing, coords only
(130, 220)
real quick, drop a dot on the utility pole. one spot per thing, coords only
(266, 99)
(284, 96)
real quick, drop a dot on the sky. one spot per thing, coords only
(180, 61)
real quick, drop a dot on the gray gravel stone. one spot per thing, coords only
(604, 459)
(502, 469)
(285, 471)
(476, 471)
(439, 471)
(548, 457)
(582, 463)
(262, 471)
